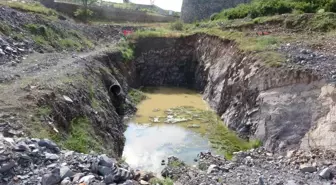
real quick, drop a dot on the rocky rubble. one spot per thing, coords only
(40, 161)
(12, 51)
(257, 166)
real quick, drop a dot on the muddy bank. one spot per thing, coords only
(281, 106)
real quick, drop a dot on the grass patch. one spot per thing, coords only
(4, 28)
(259, 8)
(136, 96)
(127, 50)
(69, 43)
(272, 58)
(221, 138)
(30, 7)
(246, 43)
(166, 181)
(94, 101)
(155, 33)
(80, 138)
(177, 25)
(323, 22)
(176, 164)
(44, 111)
(18, 36)
(59, 39)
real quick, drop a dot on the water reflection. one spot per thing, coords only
(146, 146)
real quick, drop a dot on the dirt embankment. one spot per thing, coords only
(286, 107)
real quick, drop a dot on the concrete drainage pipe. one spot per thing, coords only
(115, 89)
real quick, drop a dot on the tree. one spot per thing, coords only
(126, 1)
(85, 12)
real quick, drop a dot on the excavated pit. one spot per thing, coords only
(283, 107)
(279, 106)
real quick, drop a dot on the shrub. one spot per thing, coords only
(4, 28)
(178, 25)
(330, 6)
(126, 50)
(136, 96)
(83, 13)
(258, 8)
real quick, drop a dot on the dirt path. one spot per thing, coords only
(22, 84)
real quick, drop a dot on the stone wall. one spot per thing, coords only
(109, 13)
(193, 10)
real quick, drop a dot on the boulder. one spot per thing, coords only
(307, 168)
(325, 173)
(104, 171)
(65, 172)
(106, 161)
(52, 178)
(49, 145)
(66, 181)
(7, 166)
(212, 168)
(51, 157)
(87, 179)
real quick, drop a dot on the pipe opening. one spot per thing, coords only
(115, 89)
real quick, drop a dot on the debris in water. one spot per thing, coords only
(67, 98)
(194, 126)
(156, 110)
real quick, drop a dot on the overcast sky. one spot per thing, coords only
(165, 4)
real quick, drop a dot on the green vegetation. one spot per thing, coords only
(30, 7)
(80, 138)
(176, 164)
(259, 8)
(59, 39)
(221, 138)
(4, 28)
(136, 96)
(83, 14)
(166, 181)
(177, 25)
(140, 34)
(271, 58)
(127, 51)
(94, 101)
(44, 111)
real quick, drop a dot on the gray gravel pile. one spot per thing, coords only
(42, 162)
(257, 167)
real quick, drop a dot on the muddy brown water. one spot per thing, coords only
(149, 142)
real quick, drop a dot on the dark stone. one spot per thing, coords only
(6, 167)
(65, 172)
(106, 161)
(52, 178)
(49, 145)
(21, 147)
(109, 179)
(104, 171)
